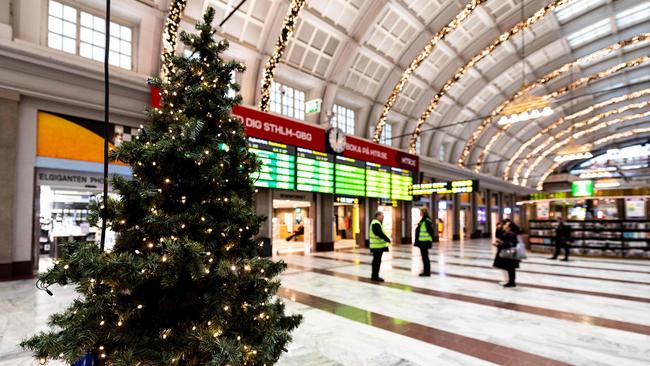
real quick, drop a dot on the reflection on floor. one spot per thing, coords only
(588, 311)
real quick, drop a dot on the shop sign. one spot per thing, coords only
(313, 106)
(361, 149)
(277, 128)
(457, 186)
(582, 188)
(349, 200)
(65, 178)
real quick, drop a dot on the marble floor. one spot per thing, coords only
(588, 311)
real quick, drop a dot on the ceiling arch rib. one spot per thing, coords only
(415, 63)
(458, 101)
(591, 78)
(589, 41)
(549, 128)
(463, 70)
(634, 132)
(578, 135)
(505, 71)
(541, 82)
(540, 151)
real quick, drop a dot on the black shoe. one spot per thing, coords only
(378, 279)
(510, 285)
(425, 275)
(565, 260)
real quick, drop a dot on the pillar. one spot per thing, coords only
(500, 205)
(433, 209)
(473, 220)
(323, 220)
(363, 228)
(10, 267)
(264, 206)
(407, 222)
(456, 223)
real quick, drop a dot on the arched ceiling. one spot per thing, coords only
(353, 52)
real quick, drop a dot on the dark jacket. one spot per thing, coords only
(563, 234)
(429, 227)
(509, 240)
(376, 229)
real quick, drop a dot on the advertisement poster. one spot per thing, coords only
(543, 209)
(635, 208)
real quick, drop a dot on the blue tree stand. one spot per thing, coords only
(90, 359)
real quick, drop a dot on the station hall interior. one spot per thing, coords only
(443, 133)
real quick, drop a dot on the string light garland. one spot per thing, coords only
(577, 136)
(170, 35)
(568, 131)
(415, 63)
(476, 134)
(560, 121)
(269, 69)
(504, 37)
(586, 80)
(621, 135)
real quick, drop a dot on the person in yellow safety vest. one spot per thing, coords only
(379, 243)
(424, 240)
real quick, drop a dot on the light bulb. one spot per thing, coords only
(547, 111)
(524, 116)
(514, 118)
(535, 113)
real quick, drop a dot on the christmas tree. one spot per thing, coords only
(184, 283)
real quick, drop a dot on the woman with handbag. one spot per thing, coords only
(506, 257)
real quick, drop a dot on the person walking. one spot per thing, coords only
(562, 239)
(379, 242)
(508, 240)
(424, 234)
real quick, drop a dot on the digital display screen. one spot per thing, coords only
(278, 164)
(314, 171)
(350, 177)
(401, 180)
(377, 180)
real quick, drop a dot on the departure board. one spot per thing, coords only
(377, 180)
(400, 181)
(349, 177)
(278, 163)
(314, 171)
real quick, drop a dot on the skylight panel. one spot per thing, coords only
(575, 8)
(633, 15)
(589, 33)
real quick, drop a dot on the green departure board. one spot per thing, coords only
(314, 171)
(349, 177)
(377, 180)
(278, 164)
(400, 181)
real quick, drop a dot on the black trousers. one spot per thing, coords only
(376, 262)
(511, 275)
(558, 247)
(426, 263)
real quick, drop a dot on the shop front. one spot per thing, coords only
(601, 225)
(292, 222)
(69, 179)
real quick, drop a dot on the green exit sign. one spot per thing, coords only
(313, 106)
(582, 188)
